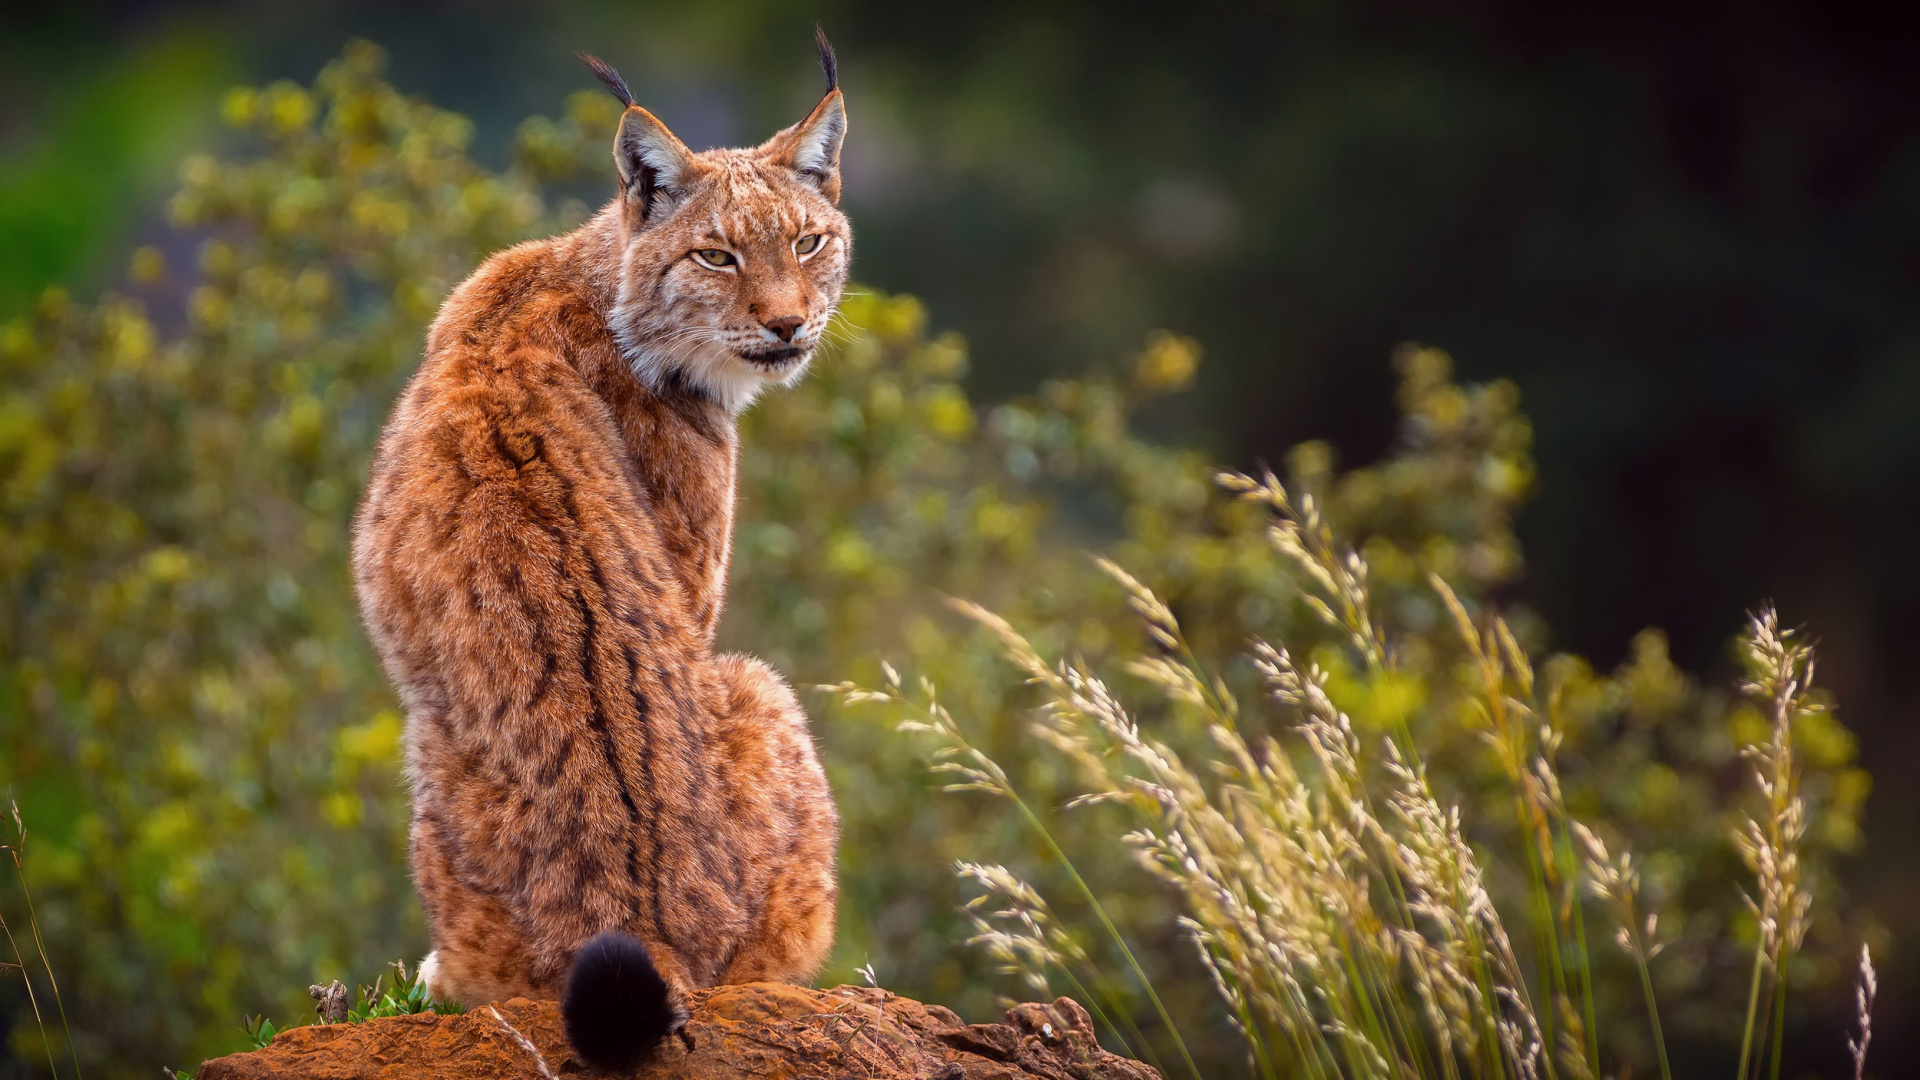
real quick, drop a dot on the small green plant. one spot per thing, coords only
(260, 1030)
(407, 997)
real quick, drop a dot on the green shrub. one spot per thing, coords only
(207, 752)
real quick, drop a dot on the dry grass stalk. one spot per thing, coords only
(1615, 881)
(1770, 843)
(1301, 535)
(33, 1001)
(14, 851)
(1021, 932)
(1780, 680)
(1863, 995)
(1523, 734)
(524, 1044)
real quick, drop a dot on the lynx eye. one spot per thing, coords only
(714, 258)
(807, 245)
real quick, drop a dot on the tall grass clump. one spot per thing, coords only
(1335, 898)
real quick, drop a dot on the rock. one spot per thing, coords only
(736, 1032)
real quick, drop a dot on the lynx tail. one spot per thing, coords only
(616, 1006)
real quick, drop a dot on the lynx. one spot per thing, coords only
(604, 809)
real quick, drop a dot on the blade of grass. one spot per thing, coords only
(1653, 1018)
(1779, 1023)
(1753, 1008)
(32, 999)
(1106, 923)
(33, 927)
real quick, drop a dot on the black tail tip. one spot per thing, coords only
(605, 73)
(828, 62)
(616, 1006)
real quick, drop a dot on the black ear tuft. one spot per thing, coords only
(827, 62)
(609, 76)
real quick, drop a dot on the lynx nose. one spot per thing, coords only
(784, 326)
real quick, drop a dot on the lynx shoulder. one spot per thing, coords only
(604, 809)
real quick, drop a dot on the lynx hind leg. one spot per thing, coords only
(478, 955)
(779, 792)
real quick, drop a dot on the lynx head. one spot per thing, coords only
(733, 260)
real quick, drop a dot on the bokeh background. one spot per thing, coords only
(1689, 232)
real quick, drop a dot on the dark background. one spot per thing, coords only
(1690, 231)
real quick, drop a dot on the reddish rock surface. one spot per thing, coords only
(759, 1030)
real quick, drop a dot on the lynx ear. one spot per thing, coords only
(812, 147)
(653, 165)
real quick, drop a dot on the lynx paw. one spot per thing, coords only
(429, 972)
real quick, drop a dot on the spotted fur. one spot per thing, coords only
(541, 560)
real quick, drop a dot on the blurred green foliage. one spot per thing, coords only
(207, 752)
(71, 186)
